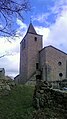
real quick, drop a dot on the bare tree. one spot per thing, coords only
(9, 11)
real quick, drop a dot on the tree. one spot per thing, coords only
(9, 11)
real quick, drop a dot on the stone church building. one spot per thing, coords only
(51, 61)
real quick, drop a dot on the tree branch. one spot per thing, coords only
(9, 10)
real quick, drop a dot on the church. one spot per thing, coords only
(51, 61)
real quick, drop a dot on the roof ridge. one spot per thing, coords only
(54, 48)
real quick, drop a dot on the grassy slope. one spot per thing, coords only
(18, 105)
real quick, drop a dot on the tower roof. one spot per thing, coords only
(31, 29)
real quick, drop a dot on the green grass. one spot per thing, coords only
(18, 104)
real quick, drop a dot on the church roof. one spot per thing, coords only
(50, 46)
(31, 29)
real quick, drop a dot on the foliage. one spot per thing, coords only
(18, 104)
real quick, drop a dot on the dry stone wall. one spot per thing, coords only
(44, 96)
(6, 84)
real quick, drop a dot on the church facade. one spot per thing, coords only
(52, 62)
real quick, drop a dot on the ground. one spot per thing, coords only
(19, 105)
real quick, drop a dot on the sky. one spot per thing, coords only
(49, 18)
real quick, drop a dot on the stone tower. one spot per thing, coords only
(30, 46)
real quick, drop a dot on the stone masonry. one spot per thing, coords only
(45, 96)
(52, 61)
(53, 64)
(30, 46)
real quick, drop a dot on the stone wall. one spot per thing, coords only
(53, 63)
(34, 46)
(6, 84)
(29, 56)
(23, 61)
(44, 96)
(2, 72)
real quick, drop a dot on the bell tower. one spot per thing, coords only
(30, 46)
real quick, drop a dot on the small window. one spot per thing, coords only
(60, 74)
(37, 65)
(59, 63)
(35, 38)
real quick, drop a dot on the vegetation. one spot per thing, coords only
(9, 11)
(18, 104)
(49, 113)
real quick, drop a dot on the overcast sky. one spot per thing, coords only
(49, 17)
